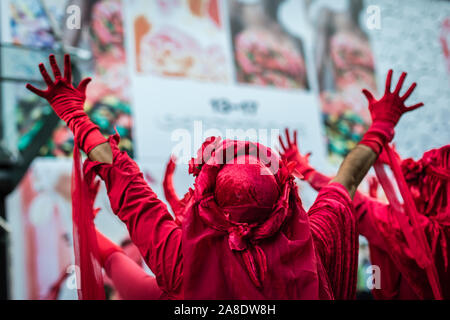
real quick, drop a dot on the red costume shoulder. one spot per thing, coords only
(333, 228)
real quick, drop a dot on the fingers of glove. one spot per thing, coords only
(400, 83)
(414, 107)
(282, 144)
(388, 81)
(409, 92)
(369, 96)
(55, 68)
(48, 80)
(288, 137)
(35, 90)
(67, 68)
(83, 85)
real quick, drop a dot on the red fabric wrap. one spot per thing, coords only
(84, 234)
(378, 134)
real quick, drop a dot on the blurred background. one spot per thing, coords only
(170, 73)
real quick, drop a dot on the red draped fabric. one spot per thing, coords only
(88, 272)
(429, 182)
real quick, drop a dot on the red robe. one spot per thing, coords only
(312, 256)
(401, 277)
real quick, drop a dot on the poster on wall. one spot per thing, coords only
(265, 52)
(180, 39)
(344, 64)
(100, 42)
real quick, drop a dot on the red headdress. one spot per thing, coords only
(245, 233)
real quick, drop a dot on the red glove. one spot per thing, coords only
(169, 190)
(171, 166)
(292, 154)
(68, 103)
(386, 113)
(106, 247)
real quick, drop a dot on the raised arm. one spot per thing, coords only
(129, 279)
(68, 103)
(151, 227)
(385, 114)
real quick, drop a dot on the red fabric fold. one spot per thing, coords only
(89, 273)
(411, 210)
(429, 189)
(333, 227)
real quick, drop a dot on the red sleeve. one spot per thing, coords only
(333, 227)
(130, 280)
(367, 209)
(151, 227)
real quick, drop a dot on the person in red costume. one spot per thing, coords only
(245, 234)
(429, 183)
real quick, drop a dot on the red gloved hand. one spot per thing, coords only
(386, 113)
(171, 166)
(292, 154)
(68, 103)
(106, 247)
